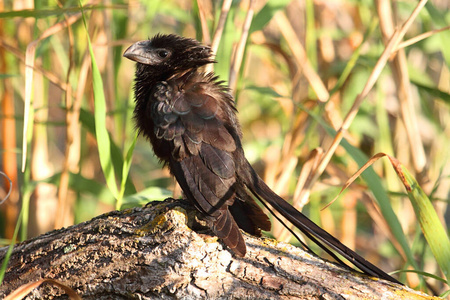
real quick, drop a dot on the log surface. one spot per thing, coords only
(151, 253)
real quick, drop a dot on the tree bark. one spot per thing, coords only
(151, 253)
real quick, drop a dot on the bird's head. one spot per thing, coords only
(169, 54)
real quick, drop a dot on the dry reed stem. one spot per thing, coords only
(389, 48)
(22, 291)
(293, 139)
(303, 191)
(50, 76)
(284, 177)
(219, 31)
(72, 130)
(29, 65)
(420, 37)
(239, 53)
(310, 164)
(9, 143)
(205, 30)
(399, 68)
(374, 212)
(300, 56)
(9, 189)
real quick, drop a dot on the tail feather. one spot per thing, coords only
(226, 229)
(309, 228)
(248, 215)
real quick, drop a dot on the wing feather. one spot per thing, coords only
(189, 118)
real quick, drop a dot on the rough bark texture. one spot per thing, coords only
(151, 253)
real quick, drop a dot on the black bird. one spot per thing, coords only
(190, 119)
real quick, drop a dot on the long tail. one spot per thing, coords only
(319, 236)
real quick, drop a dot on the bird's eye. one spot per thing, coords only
(163, 53)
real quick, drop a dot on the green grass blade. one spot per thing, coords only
(48, 12)
(354, 58)
(434, 91)
(149, 194)
(266, 14)
(125, 171)
(10, 247)
(424, 274)
(81, 184)
(101, 133)
(434, 232)
(376, 187)
(87, 121)
(438, 17)
(311, 37)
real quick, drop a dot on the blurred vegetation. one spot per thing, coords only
(295, 73)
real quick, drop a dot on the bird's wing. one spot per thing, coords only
(202, 162)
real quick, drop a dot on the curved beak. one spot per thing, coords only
(139, 52)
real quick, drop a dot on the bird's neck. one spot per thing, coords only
(149, 77)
